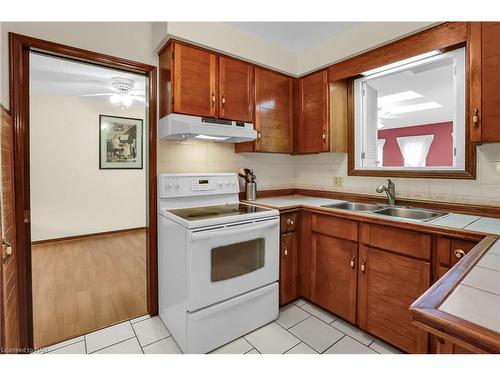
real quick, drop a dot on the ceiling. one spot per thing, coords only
(434, 83)
(60, 76)
(293, 36)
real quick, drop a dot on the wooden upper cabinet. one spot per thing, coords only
(235, 90)
(388, 284)
(194, 81)
(273, 111)
(197, 82)
(490, 82)
(313, 124)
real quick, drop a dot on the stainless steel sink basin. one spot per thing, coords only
(410, 213)
(355, 206)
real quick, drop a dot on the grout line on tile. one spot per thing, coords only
(64, 346)
(163, 338)
(482, 290)
(293, 346)
(354, 338)
(136, 337)
(85, 343)
(334, 343)
(108, 346)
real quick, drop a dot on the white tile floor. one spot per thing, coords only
(301, 328)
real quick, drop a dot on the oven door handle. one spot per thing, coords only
(233, 230)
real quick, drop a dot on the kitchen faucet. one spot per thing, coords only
(390, 190)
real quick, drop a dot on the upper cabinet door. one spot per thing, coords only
(490, 82)
(314, 130)
(195, 74)
(235, 90)
(273, 111)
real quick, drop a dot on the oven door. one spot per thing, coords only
(227, 261)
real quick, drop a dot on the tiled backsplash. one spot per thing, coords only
(275, 171)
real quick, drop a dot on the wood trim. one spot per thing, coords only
(19, 49)
(461, 208)
(425, 310)
(445, 37)
(88, 235)
(474, 69)
(437, 37)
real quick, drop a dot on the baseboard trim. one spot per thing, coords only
(88, 235)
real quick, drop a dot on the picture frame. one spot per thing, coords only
(120, 142)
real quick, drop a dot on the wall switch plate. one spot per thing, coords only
(337, 181)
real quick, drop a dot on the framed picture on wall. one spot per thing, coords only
(120, 142)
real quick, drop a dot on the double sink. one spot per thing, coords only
(408, 213)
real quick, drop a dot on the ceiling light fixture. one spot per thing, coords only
(409, 108)
(383, 101)
(403, 64)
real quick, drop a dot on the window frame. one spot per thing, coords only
(445, 37)
(460, 99)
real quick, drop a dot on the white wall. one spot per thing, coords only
(229, 40)
(362, 37)
(70, 195)
(130, 40)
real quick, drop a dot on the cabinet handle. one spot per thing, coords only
(223, 101)
(285, 250)
(352, 261)
(258, 136)
(475, 118)
(459, 253)
(213, 100)
(363, 265)
(323, 136)
(289, 221)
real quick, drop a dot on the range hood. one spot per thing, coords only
(182, 127)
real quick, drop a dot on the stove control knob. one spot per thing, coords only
(226, 183)
(219, 183)
(169, 185)
(177, 185)
(233, 183)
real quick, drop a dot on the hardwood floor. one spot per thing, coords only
(87, 284)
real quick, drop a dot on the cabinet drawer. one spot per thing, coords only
(335, 227)
(288, 222)
(401, 241)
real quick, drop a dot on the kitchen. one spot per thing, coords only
(337, 202)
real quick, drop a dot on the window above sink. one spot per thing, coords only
(410, 115)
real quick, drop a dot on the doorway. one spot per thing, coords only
(88, 197)
(21, 50)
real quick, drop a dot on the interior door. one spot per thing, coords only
(9, 322)
(235, 90)
(195, 73)
(314, 103)
(274, 111)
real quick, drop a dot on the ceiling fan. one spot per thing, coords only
(122, 91)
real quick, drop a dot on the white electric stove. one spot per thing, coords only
(218, 260)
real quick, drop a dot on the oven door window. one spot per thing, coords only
(237, 259)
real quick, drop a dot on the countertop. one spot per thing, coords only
(464, 305)
(454, 221)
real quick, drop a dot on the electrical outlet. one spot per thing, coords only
(337, 181)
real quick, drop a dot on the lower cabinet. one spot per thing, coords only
(334, 275)
(288, 268)
(447, 347)
(388, 284)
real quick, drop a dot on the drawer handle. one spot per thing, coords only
(459, 253)
(352, 261)
(285, 250)
(363, 265)
(213, 100)
(8, 249)
(289, 221)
